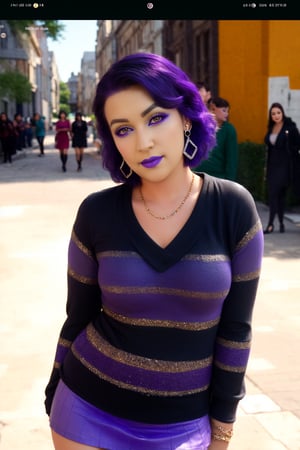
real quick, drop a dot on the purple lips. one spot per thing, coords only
(151, 162)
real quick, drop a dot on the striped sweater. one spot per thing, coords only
(161, 335)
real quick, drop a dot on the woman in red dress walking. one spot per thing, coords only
(62, 137)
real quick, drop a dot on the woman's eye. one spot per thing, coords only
(122, 131)
(157, 119)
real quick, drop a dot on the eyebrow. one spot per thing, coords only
(143, 114)
(154, 105)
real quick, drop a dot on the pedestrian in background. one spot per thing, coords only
(7, 137)
(62, 137)
(28, 132)
(79, 138)
(39, 131)
(19, 125)
(163, 270)
(222, 161)
(204, 92)
(282, 142)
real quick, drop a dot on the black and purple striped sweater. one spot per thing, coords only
(161, 335)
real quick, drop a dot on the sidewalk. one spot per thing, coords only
(38, 205)
(269, 415)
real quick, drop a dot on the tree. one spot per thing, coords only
(52, 28)
(64, 97)
(15, 86)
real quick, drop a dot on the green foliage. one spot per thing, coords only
(64, 93)
(64, 97)
(251, 169)
(65, 107)
(52, 28)
(15, 86)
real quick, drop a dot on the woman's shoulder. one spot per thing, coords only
(104, 197)
(102, 208)
(289, 123)
(230, 192)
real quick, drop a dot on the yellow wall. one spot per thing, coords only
(251, 51)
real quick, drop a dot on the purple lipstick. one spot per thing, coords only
(151, 162)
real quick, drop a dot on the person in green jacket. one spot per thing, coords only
(222, 161)
(39, 131)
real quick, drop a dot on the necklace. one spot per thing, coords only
(168, 216)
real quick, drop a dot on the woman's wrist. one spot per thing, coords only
(221, 431)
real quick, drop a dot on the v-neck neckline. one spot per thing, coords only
(161, 258)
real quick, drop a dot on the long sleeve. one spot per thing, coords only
(84, 297)
(234, 334)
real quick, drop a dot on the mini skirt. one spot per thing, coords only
(79, 421)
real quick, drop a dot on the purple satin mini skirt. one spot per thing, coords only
(77, 420)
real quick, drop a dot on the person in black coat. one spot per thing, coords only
(79, 138)
(282, 139)
(7, 138)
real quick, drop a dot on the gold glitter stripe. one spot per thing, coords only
(131, 387)
(136, 290)
(239, 369)
(64, 342)
(117, 254)
(206, 258)
(81, 278)
(192, 257)
(249, 235)
(234, 344)
(247, 276)
(141, 362)
(80, 245)
(195, 326)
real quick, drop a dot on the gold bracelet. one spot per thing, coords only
(220, 434)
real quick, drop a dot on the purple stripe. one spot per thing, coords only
(82, 264)
(163, 307)
(204, 280)
(248, 258)
(60, 353)
(187, 274)
(232, 356)
(135, 376)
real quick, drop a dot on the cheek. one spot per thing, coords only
(122, 146)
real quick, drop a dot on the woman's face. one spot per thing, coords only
(276, 115)
(149, 138)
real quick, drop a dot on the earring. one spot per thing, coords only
(122, 171)
(188, 154)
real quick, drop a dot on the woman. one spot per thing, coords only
(19, 125)
(62, 138)
(39, 131)
(79, 138)
(281, 139)
(7, 138)
(163, 272)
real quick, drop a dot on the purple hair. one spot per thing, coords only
(170, 87)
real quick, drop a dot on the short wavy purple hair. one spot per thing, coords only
(170, 87)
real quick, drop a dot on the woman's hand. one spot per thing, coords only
(218, 445)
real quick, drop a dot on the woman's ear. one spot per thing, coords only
(187, 124)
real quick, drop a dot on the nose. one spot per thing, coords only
(144, 140)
